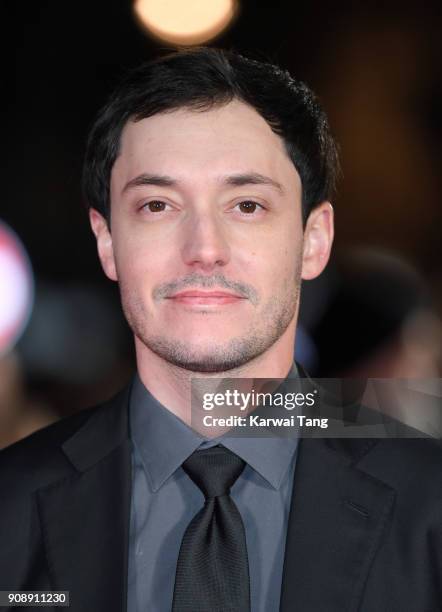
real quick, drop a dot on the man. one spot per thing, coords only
(209, 178)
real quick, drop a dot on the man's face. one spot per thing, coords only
(206, 236)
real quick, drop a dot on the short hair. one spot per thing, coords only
(201, 78)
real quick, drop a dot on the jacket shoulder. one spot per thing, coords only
(415, 457)
(39, 458)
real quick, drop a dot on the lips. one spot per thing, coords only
(198, 297)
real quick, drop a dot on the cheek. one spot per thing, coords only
(135, 262)
(139, 249)
(275, 260)
(271, 272)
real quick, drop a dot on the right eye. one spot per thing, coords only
(155, 206)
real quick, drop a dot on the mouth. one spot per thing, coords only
(195, 297)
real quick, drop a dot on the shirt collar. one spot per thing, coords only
(164, 441)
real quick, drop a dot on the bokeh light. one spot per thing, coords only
(16, 288)
(191, 22)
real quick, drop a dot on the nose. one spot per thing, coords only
(205, 245)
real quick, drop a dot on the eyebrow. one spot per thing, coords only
(234, 180)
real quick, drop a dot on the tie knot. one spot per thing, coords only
(214, 470)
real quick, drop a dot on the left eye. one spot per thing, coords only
(248, 206)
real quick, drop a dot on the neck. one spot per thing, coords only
(171, 385)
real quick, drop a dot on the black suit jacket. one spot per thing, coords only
(364, 534)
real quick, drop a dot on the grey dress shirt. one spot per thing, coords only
(165, 499)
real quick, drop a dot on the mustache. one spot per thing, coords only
(199, 281)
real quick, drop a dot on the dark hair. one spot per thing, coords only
(200, 78)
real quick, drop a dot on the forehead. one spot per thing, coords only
(184, 143)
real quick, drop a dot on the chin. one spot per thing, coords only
(204, 364)
(207, 357)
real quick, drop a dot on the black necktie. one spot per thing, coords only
(213, 572)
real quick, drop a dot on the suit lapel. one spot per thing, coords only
(337, 520)
(85, 517)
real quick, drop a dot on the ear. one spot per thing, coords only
(318, 239)
(104, 243)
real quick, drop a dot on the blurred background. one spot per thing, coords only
(377, 68)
